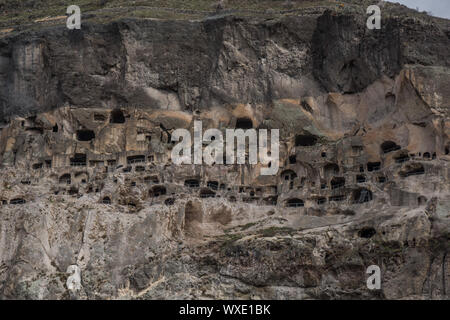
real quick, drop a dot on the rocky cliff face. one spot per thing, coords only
(87, 178)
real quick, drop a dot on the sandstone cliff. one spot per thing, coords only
(86, 178)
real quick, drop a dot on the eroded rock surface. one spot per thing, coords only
(87, 178)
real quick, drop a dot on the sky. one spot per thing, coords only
(439, 8)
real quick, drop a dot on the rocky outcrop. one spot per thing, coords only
(87, 177)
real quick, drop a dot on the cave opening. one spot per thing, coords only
(367, 232)
(85, 135)
(135, 159)
(65, 178)
(416, 169)
(330, 169)
(427, 155)
(337, 182)
(292, 159)
(207, 193)
(288, 175)
(389, 146)
(403, 157)
(157, 191)
(362, 195)
(55, 128)
(37, 166)
(48, 163)
(381, 179)
(244, 123)
(106, 200)
(17, 201)
(421, 200)
(117, 116)
(336, 198)
(294, 203)
(304, 140)
(214, 185)
(360, 178)
(99, 117)
(169, 201)
(152, 179)
(373, 166)
(192, 183)
(78, 160)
